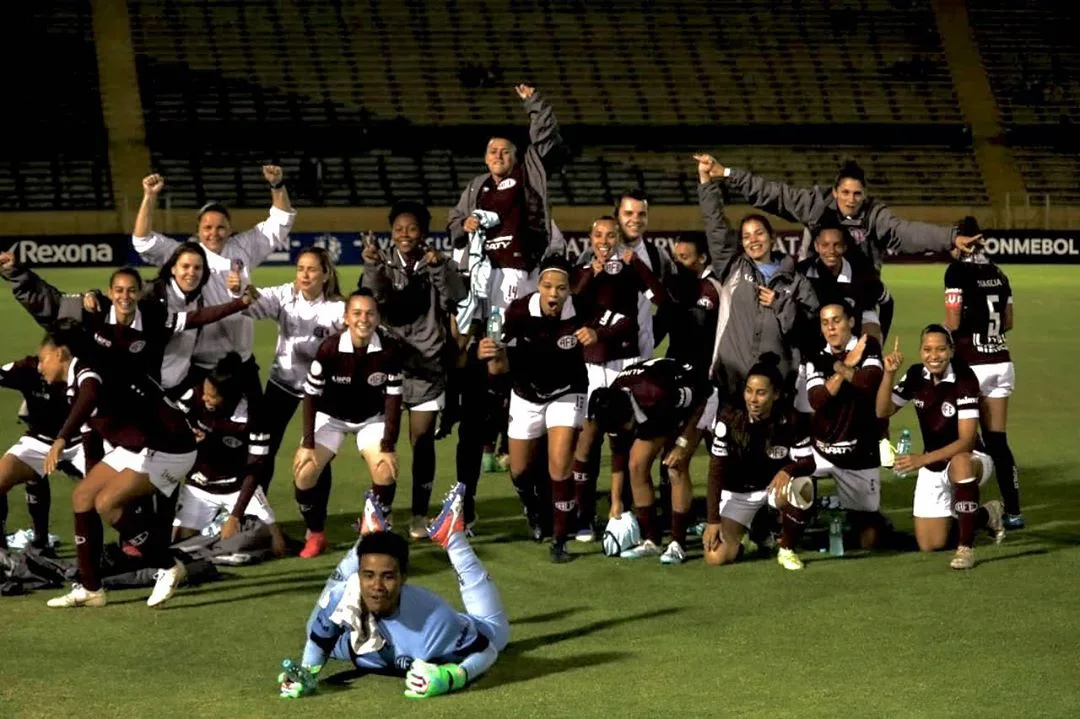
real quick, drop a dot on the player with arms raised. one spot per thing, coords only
(979, 311)
(946, 397)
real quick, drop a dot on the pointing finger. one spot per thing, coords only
(896, 344)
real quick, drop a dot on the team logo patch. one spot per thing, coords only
(507, 184)
(231, 442)
(720, 430)
(567, 342)
(777, 452)
(705, 302)
(137, 346)
(613, 266)
(947, 410)
(376, 378)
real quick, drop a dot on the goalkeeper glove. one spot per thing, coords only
(425, 680)
(297, 681)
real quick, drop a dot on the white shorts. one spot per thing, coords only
(602, 375)
(432, 405)
(870, 317)
(995, 380)
(859, 489)
(802, 397)
(742, 507)
(506, 285)
(933, 490)
(330, 432)
(197, 508)
(531, 421)
(708, 417)
(31, 451)
(165, 470)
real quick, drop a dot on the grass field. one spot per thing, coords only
(885, 635)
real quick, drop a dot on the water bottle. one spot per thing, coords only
(903, 447)
(836, 528)
(495, 325)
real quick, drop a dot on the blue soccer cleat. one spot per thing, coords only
(1013, 521)
(373, 519)
(451, 518)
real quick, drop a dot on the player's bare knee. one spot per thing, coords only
(961, 468)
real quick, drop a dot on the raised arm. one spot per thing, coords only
(909, 237)
(180, 321)
(544, 137)
(722, 239)
(153, 247)
(376, 275)
(889, 398)
(791, 203)
(44, 302)
(272, 234)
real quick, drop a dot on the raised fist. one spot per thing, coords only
(273, 174)
(153, 184)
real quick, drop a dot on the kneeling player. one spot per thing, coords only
(544, 336)
(372, 618)
(756, 451)
(646, 408)
(946, 396)
(353, 386)
(226, 471)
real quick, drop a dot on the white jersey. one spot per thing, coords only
(302, 326)
(177, 360)
(235, 333)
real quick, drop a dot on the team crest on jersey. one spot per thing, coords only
(567, 342)
(376, 378)
(507, 184)
(705, 302)
(613, 266)
(231, 442)
(947, 410)
(777, 452)
(137, 346)
(857, 234)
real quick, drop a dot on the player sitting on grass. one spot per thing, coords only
(378, 622)
(946, 397)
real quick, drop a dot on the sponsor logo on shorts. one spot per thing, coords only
(705, 302)
(613, 266)
(567, 342)
(376, 378)
(231, 442)
(136, 346)
(947, 410)
(777, 452)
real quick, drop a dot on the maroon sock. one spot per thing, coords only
(793, 521)
(646, 518)
(384, 495)
(88, 539)
(562, 499)
(680, 521)
(966, 505)
(584, 493)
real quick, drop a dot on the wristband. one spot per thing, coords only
(277, 185)
(682, 442)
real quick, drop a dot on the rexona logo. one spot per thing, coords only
(32, 252)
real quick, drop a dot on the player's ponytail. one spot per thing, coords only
(227, 378)
(768, 366)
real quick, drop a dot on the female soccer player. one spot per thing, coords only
(152, 451)
(353, 387)
(418, 292)
(946, 397)
(542, 349)
(307, 311)
(979, 311)
(757, 450)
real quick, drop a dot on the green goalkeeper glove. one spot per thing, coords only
(426, 680)
(297, 681)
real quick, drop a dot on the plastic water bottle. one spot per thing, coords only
(836, 528)
(903, 447)
(495, 325)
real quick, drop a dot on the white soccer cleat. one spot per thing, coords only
(79, 596)
(886, 453)
(995, 523)
(167, 582)
(674, 554)
(788, 559)
(963, 559)
(645, 549)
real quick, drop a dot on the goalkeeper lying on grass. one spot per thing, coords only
(367, 614)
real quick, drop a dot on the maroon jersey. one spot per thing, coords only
(508, 243)
(355, 385)
(844, 428)
(747, 455)
(939, 406)
(546, 359)
(691, 320)
(981, 291)
(610, 302)
(226, 449)
(857, 283)
(46, 404)
(664, 393)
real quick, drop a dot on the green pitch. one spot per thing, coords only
(888, 635)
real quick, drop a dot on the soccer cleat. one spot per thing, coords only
(372, 520)
(788, 559)
(646, 549)
(1013, 521)
(886, 453)
(674, 554)
(585, 534)
(994, 523)
(963, 559)
(79, 596)
(451, 519)
(418, 527)
(167, 580)
(697, 530)
(502, 461)
(559, 555)
(536, 528)
(314, 545)
(749, 545)
(488, 464)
